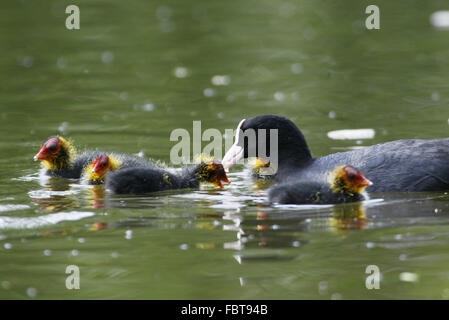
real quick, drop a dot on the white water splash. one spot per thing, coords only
(12, 207)
(36, 222)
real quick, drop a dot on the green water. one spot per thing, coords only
(115, 84)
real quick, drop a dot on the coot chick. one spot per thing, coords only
(59, 158)
(150, 179)
(95, 173)
(259, 169)
(401, 165)
(344, 184)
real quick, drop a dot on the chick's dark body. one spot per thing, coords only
(309, 193)
(150, 179)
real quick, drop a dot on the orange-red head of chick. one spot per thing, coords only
(213, 172)
(99, 167)
(56, 153)
(347, 179)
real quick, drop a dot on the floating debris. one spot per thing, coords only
(351, 134)
(221, 80)
(209, 92)
(181, 72)
(440, 20)
(408, 277)
(107, 57)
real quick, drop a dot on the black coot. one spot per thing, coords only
(401, 165)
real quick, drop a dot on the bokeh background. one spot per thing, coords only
(137, 69)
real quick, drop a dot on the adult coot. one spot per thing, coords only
(59, 158)
(150, 179)
(401, 165)
(344, 184)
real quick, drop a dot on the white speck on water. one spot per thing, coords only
(242, 281)
(275, 227)
(8, 246)
(398, 237)
(128, 234)
(221, 80)
(279, 96)
(63, 127)
(6, 285)
(141, 154)
(230, 98)
(402, 257)
(74, 252)
(332, 115)
(336, 296)
(252, 94)
(408, 277)
(181, 72)
(61, 63)
(370, 245)
(115, 254)
(27, 61)
(124, 95)
(81, 240)
(107, 57)
(322, 287)
(437, 210)
(359, 142)
(47, 252)
(184, 246)
(148, 107)
(2, 237)
(216, 223)
(440, 20)
(296, 244)
(209, 92)
(296, 68)
(435, 96)
(220, 115)
(32, 292)
(164, 12)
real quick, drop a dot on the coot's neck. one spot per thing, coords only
(295, 153)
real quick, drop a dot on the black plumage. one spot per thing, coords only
(151, 179)
(343, 184)
(401, 165)
(309, 192)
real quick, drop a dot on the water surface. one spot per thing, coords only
(137, 70)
